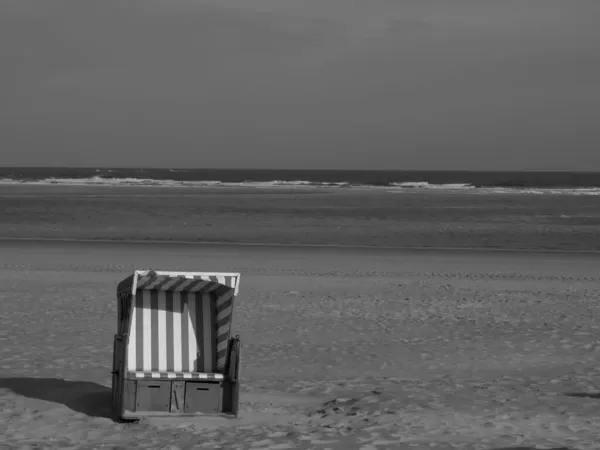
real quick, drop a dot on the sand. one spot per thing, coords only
(343, 348)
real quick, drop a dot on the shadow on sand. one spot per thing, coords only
(530, 448)
(91, 399)
(584, 395)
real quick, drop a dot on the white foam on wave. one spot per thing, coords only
(392, 187)
(426, 185)
(547, 191)
(102, 181)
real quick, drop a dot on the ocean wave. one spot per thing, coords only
(426, 185)
(113, 181)
(390, 186)
(548, 191)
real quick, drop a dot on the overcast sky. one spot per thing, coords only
(348, 84)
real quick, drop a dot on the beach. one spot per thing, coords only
(369, 319)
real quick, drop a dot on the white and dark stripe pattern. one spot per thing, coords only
(181, 324)
(173, 331)
(178, 375)
(161, 282)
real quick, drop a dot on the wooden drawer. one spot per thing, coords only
(153, 396)
(202, 397)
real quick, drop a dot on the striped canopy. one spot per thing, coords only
(181, 321)
(166, 281)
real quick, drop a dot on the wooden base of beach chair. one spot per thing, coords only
(136, 415)
(135, 398)
(152, 398)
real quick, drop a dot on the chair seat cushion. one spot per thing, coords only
(177, 375)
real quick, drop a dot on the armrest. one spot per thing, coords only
(235, 359)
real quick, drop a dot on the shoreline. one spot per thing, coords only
(400, 188)
(60, 242)
(415, 221)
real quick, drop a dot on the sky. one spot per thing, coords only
(331, 84)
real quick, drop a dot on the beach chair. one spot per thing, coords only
(173, 351)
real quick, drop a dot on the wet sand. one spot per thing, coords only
(303, 216)
(343, 347)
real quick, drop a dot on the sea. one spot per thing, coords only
(576, 183)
